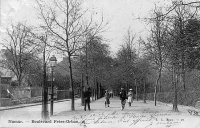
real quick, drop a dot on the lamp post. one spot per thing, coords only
(53, 61)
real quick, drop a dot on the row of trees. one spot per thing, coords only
(87, 58)
(173, 45)
(66, 28)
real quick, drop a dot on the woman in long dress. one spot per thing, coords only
(130, 97)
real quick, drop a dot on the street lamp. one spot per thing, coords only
(53, 61)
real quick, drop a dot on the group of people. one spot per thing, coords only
(123, 98)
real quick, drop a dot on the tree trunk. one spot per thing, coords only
(95, 94)
(175, 82)
(184, 80)
(157, 85)
(127, 87)
(92, 94)
(19, 80)
(71, 82)
(100, 90)
(155, 95)
(144, 93)
(97, 90)
(86, 65)
(45, 114)
(182, 53)
(82, 87)
(183, 74)
(136, 93)
(159, 41)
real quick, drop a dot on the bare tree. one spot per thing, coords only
(65, 21)
(18, 50)
(154, 45)
(41, 42)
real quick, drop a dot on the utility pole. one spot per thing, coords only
(53, 61)
(52, 92)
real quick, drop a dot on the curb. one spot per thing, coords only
(28, 105)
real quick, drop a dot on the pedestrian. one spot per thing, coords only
(87, 95)
(107, 98)
(123, 97)
(130, 97)
(111, 94)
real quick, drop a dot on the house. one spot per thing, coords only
(4, 89)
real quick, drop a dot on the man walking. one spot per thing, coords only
(107, 98)
(87, 95)
(123, 97)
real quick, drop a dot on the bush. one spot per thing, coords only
(184, 98)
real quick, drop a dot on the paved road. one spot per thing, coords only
(139, 115)
(33, 112)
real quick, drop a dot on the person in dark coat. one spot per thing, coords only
(107, 98)
(123, 97)
(87, 95)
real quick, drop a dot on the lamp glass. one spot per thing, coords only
(53, 61)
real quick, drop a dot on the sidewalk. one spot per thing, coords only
(139, 115)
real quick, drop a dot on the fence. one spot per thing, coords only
(21, 95)
(26, 92)
(31, 95)
(36, 92)
(189, 98)
(63, 94)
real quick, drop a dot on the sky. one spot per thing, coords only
(121, 15)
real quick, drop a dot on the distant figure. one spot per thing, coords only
(130, 97)
(87, 95)
(111, 94)
(107, 98)
(123, 97)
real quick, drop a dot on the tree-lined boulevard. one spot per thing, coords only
(66, 53)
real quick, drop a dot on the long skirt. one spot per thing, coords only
(130, 99)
